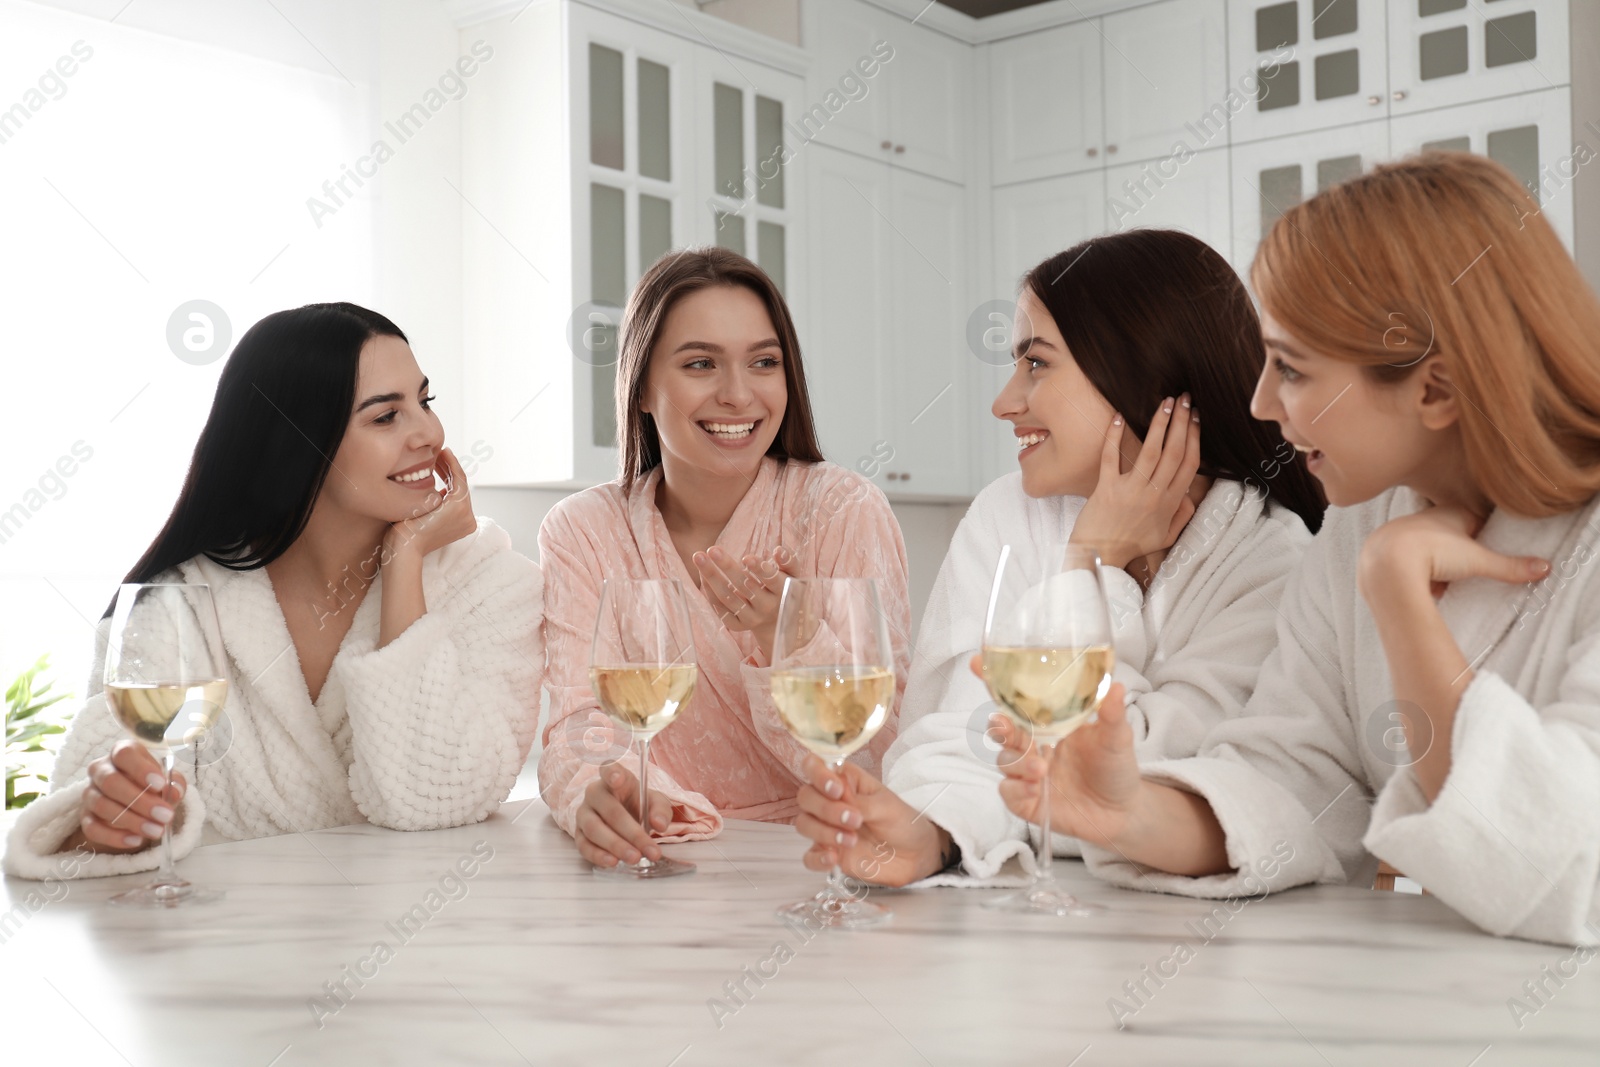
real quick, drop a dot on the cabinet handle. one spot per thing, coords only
(899, 149)
(886, 145)
(905, 476)
(1374, 100)
(1399, 94)
(1093, 152)
(1111, 149)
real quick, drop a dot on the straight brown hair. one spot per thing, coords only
(1148, 314)
(1447, 253)
(671, 278)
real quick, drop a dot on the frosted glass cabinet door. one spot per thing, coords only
(1444, 52)
(1164, 65)
(1044, 104)
(1326, 58)
(1531, 134)
(1270, 177)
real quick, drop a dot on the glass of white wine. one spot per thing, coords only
(643, 672)
(1047, 660)
(833, 683)
(166, 681)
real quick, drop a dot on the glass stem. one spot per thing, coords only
(644, 792)
(836, 887)
(168, 874)
(1046, 855)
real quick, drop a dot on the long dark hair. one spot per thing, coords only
(282, 406)
(670, 279)
(1149, 314)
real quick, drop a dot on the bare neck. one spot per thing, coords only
(696, 504)
(332, 547)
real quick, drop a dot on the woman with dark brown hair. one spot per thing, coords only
(1121, 344)
(1434, 701)
(723, 487)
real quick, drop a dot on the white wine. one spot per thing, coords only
(1050, 691)
(163, 714)
(833, 710)
(644, 698)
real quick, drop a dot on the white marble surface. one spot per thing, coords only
(538, 962)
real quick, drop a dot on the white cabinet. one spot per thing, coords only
(1189, 191)
(911, 110)
(1270, 177)
(1044, 100)
(1164, 65)
(1310, 64)
(1531, 134)
(885, 351)
(1445, 52)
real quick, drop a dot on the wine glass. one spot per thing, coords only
(1047, 660)
(642, 670)
(833, 683)
(166, 681)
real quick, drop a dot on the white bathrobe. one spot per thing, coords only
(1313, 784)
(1188, 652)
(427, 732)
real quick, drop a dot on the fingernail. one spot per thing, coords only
(161, 814)
(153, 829)
(832, 788)
(1116, 420)
(1539, 567)
(1185, 399)
(132, 842)
(850, 818)
(87, 821)
(155, 781)
(1166, 405)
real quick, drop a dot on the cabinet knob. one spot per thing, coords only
(1374, 100)
(1399, 94)
(905, 476)
(886, 145)
(899, 149)
(1111, 149)
(1093, 152)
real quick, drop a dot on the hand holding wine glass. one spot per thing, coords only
(643, 671)
(1047, 660)
(128, 801)
(166, 682)
(833, 684)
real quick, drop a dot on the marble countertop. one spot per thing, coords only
(534, 960)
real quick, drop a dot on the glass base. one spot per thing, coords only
(664, 867)
(831, 909)
(1044, 900)
(167, 895)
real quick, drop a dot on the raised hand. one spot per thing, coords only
(747, 591)
(1143, 510)
(449, 516)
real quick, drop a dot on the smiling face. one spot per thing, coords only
(1360, 437)
(715, 385)
(384, 466)
(1059, 417)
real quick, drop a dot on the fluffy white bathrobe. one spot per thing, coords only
(1313, 783)
(427, 732)
(1188, 652)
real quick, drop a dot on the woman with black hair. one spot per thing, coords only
(383, 644)
(1121, 343)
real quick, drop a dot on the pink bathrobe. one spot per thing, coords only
(727, 754)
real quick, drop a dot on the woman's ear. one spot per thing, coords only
(1438, 399)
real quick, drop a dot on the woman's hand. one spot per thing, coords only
(1143, 510)
(608, 830)
(447, 517)
(1431, 549)
(748, 591)
(128, 802)
(857, 822)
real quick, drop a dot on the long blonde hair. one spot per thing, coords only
(1448, 253)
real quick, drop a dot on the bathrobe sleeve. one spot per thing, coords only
(443, 717)
(580, 738)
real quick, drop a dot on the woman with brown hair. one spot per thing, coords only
(722, 487)
(1435, 698)
(1121, 344)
